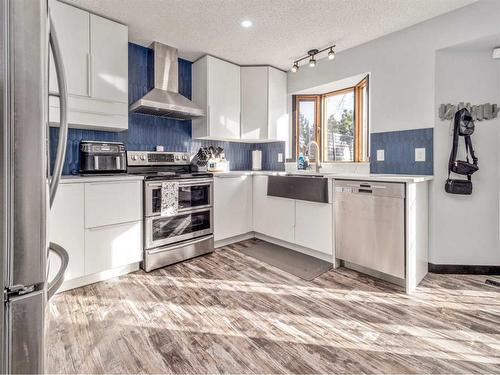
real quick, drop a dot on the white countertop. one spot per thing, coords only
(109, 178)
(334, 175)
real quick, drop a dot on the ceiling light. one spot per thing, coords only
(311, 55)
(331, 54)
(246, 23)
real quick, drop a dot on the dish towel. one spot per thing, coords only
(169, 198)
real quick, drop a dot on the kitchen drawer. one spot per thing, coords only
(112, 203)
(112, 246)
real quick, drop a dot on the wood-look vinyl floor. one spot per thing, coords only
(229, 313)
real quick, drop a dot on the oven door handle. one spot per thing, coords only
(181, 184)
(183, 211)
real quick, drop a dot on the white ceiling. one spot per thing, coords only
(283, 30)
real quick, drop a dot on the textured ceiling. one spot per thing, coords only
(282, 31)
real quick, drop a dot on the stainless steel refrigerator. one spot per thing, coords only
(26, 187)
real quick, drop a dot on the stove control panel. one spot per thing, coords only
(144, 158)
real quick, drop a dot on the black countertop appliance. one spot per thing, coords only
(98, 157)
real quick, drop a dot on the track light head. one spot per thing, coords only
(312, 62)
(331, 54)
(295, 67)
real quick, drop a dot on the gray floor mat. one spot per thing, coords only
(301, 265)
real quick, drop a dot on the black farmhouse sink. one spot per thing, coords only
(312, 188)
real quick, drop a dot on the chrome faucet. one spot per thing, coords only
(318, 162)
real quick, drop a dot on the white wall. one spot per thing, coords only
(402, 65)
(465, 229)
(403, 92)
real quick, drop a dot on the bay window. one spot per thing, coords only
(337, 121)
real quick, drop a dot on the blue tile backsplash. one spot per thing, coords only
(399, 147)
(145, 131)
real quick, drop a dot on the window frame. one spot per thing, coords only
(323, 119)
(317, 115)
(361, 154)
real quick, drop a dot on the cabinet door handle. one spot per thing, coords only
(89, 77)
(208, 119)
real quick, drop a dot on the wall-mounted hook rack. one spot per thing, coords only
(479, 112)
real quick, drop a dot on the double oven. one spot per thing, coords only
(188, 233)
(194, 215)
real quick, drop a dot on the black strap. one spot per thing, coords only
(454, 147)
(468, 143)
(470, 150)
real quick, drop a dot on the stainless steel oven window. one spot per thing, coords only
(164, 230)
(193, 194)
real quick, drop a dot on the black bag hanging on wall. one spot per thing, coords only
(463, 125)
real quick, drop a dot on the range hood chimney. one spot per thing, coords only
(164, 99)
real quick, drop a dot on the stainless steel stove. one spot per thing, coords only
(187, 234)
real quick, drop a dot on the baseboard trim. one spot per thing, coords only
(464, 269)
(231, 240)
(97, 277)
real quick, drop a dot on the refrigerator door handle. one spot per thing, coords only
(59, 278)
(63, 112)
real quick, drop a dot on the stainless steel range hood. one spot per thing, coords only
(164, 99)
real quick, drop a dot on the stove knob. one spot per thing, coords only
(177, 157)
(143, 157)
(134, 157)
(184, 157)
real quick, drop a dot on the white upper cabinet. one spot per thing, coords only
(247, 103)
(109, 73)
(263, 103)
(254, 99)
(277, 105)
(95, 58)
(216, 88)
(73, 29)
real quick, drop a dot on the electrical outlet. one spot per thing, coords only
(420, 154)
(280, 157)
(380, 155)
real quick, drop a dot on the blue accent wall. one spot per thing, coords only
(399, 147)
(145, 132)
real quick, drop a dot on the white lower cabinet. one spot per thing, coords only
(272, 216)
(67, 230)
(112, 246)
(314, 226)
(232, 206)
(100, 226)
(307, 224)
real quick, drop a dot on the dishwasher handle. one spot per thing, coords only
(365, 191)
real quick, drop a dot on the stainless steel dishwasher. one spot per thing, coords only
(370, 225)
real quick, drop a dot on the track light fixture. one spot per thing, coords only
(311, 56)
